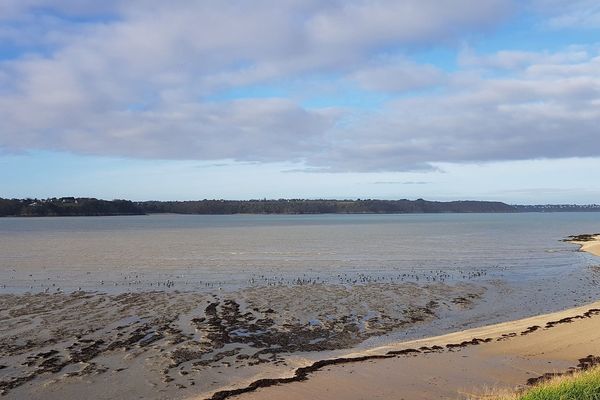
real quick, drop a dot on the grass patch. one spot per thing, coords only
(583, 385)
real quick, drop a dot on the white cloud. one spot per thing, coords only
(511, 59)
(541, 111)
(139, 84)
(570, 14)
(134, 84)
(397, 76)
(11, 9)
(387, 22)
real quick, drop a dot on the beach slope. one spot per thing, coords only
(461, 365)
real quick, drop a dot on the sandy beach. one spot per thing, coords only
(456, 366)
(461, 365)
(589, 243)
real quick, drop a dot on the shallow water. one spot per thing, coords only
(205, 252)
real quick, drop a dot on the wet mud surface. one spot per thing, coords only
(189, 343)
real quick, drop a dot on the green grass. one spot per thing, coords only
(579, 386)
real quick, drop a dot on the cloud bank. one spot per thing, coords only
(180, 80)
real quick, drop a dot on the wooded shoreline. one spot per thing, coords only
(71, 206)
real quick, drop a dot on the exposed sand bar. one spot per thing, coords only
(591, 245)
(501, 356)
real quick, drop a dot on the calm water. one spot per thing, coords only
(205, 252)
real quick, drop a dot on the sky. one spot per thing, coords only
(390, 99)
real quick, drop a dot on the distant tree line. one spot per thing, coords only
(300, 206)
(71, 206)
(67, 206)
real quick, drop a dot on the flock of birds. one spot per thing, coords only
(363, 278)
(138, 281)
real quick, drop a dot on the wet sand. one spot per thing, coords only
(462, 365)
(178, 344)
(456, 366)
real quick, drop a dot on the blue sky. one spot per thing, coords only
(467, 99)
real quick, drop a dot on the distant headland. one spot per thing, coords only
(72, 206)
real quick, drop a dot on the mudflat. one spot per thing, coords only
(170, 344)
